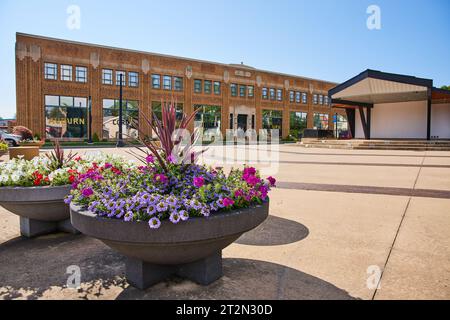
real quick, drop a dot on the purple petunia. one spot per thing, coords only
(184, 215)
(175, 217)
(161, 206)
(128, 216)
(150, 159)
(154, 223)
(272, 181)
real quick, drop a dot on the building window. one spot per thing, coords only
(156, 109)
(280, 94)
(321, 121)
(178, 83)
(341, 125)
(320, 99)
(297, 97)
(297, 124)
(326, 101)
(242, 91)
(133, 79)
(81, 74)
(51, 71)
(167, 83)
(130, 119)
(217, 87)
(107, 76)
(198, 86)
(124, 78)
(208, 86)
(315, 99)
(66, 72)
(65, 117)
(251, 91)
(291, 96)
(272, 94)
(304, 98)
(208, 118)
(272, 120)
(233, 88)
(264, 93)
(156, 81)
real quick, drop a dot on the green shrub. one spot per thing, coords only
(95, 137)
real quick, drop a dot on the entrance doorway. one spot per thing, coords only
(242, 121)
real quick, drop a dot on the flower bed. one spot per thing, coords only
(148, 193)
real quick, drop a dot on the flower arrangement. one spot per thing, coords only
(41, 171)
(167, 186)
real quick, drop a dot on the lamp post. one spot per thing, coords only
(120, 143)
(90, 120)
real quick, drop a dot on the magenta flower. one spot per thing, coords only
(238, 193)
(199, 182)
(108, 165)
(227, 202)
(252, 180)
(87, 192)
(249, 171)
(160, 178)
(150, 159)
(264, 191)
(172, 159)
(272, 181)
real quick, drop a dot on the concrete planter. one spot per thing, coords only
(191, 249)
(41, 209)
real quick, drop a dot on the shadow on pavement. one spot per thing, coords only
(275, 231)
(36, 269)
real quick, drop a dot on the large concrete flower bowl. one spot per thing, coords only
(191, 249)
(41, 209)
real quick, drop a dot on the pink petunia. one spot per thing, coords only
(199, 182)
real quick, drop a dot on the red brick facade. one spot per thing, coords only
(32, 52)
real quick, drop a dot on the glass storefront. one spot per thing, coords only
(272, 119)
(297, 123)
(341, 130)
(65, 117)
(321, 121)
(209, 119)
(130, 126)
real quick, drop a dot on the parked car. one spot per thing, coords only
(12, 139)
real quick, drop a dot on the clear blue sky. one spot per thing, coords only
(321, 39)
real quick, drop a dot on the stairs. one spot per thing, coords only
(408, 145)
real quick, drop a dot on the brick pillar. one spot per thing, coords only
(258, 109)
(94, 79)
(286, 113)
(144, 104)
(188, 107)
(21, 84)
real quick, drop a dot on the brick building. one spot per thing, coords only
(57, 80)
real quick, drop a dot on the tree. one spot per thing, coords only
(446, 87)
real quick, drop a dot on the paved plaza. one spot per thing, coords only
(339, 221)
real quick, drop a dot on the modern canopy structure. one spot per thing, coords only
(393, 106)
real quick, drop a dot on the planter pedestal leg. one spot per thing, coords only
(204, 271)
(66, 226)
(142, 275)
(31, 228)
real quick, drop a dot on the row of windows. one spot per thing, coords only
(321, 99)
(298, 97)
(51, 72)
(108, 78)
(273, 94)
(243, 90)
(207, 86)
(168, 82)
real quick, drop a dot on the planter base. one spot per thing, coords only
(32, 228)
(142, 275)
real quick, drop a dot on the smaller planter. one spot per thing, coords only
(27, 153)
(41, 209)
(32, 144)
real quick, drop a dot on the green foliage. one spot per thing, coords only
(95, 137)
(446, 87)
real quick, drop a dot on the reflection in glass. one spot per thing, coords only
(130, 124)
(64, 119)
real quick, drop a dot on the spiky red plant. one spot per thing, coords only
(170, 138)
(57, 157)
